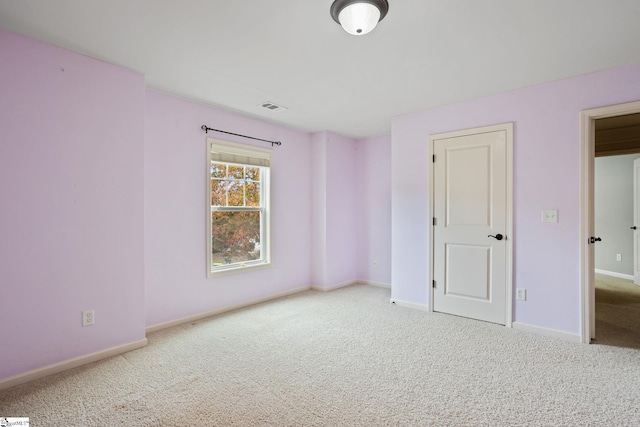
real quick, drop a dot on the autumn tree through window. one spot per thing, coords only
(238, 199)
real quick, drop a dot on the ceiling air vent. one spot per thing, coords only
(272, 107)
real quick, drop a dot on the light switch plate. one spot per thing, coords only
(550, 216)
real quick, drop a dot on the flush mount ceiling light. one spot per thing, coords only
(358, 17)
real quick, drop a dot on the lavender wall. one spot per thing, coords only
(334, 211)
(318, 209)
(341, 210)
(174, 221)
(373, 196)
(546, 176)
(71, 186)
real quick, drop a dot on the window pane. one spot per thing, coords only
(236, 172)
(236, 193)
(218, 192)
(235, 237)
(253, 194)
(218, 170)
(253, 174)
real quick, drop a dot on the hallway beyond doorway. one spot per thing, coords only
(617, 312)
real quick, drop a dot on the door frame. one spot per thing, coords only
(636, 217)
(587, 215)
(508, 128)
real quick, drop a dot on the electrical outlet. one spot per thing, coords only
(276, 273)
(88, 318)
(521, 294)
(618, 257)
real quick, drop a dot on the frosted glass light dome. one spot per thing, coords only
(359, 17)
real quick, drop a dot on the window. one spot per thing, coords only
(237, 206)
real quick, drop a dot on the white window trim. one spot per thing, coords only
(240, 150)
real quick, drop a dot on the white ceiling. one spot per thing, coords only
(237, 54)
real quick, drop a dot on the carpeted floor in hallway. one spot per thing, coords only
(617, 312)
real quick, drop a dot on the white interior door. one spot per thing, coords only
(636, 221)
(472, 203)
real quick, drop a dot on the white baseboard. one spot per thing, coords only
(376, 284)
(614, 274)
(349, 283)
(193, 318)
(69, 364)
(567, 336)
(333, 287)
(408, 304)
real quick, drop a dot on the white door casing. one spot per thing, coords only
(636, 221)
(472, 200)
(587, 265)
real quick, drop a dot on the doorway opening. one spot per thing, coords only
(591, 127)
(617, 223)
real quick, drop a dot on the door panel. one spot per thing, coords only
(636, 221)
(468, 185)
(470, 204)
(471, 282)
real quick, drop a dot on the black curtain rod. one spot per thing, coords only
(206, 129)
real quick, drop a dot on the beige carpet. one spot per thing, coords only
(343, 358)
(617, 312)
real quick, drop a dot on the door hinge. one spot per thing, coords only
(434, 158)
(434, 220)
(434, 284)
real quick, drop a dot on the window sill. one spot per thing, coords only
(239, 269)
